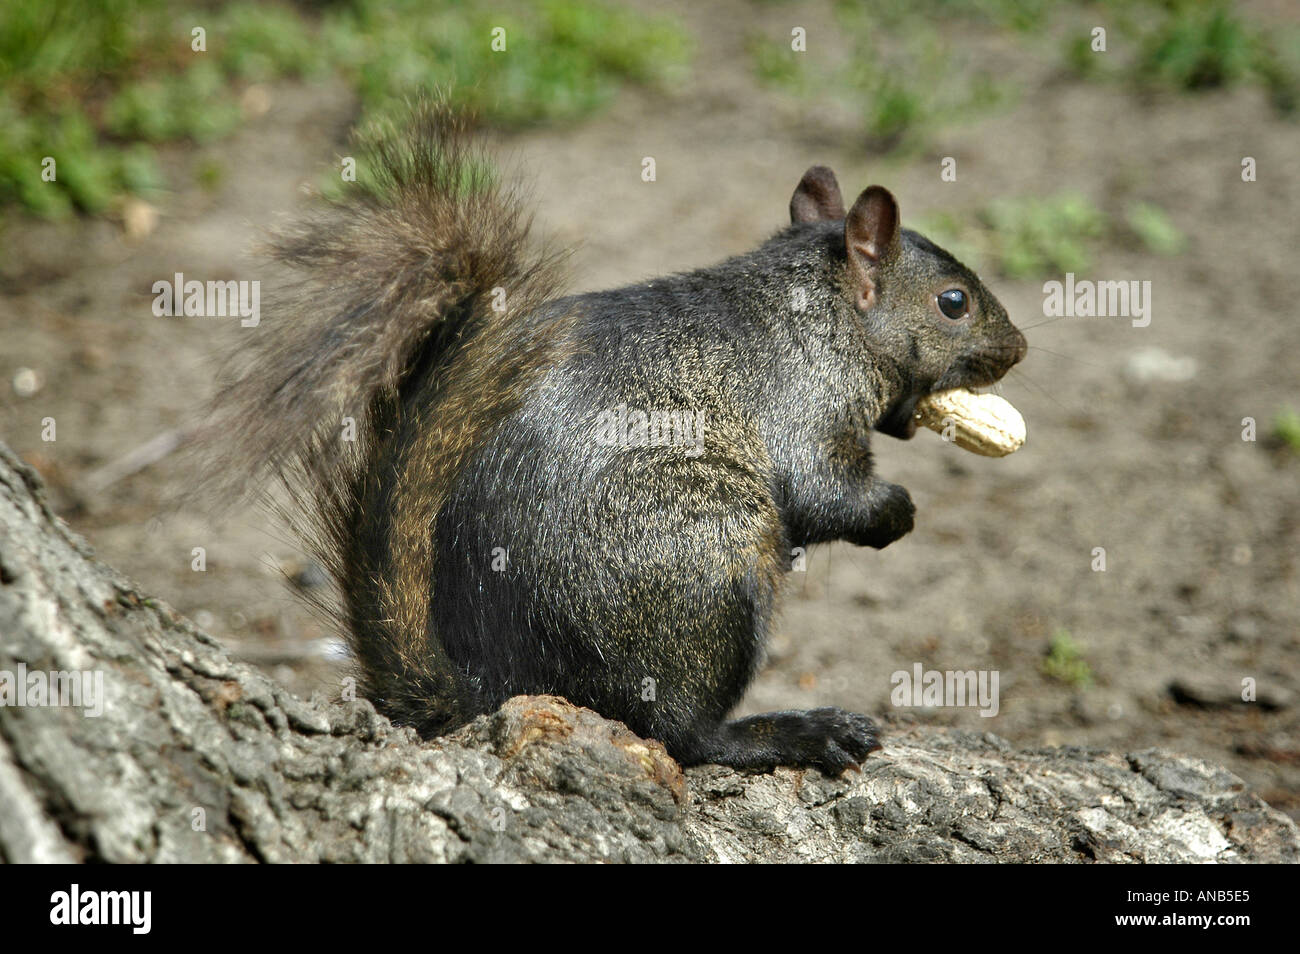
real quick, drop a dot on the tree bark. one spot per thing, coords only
(197, 758)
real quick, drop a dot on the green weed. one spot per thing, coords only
(1064, 661)
(95, 84)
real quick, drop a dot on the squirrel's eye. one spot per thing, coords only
(953, 303)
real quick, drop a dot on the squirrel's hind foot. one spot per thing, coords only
(829, 739)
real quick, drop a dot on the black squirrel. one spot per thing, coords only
(595, 496)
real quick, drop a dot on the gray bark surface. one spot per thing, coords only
(198, 758)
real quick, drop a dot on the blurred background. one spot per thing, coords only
(1116, 165)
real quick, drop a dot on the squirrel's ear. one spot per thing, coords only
(816, 197)
(871, 236)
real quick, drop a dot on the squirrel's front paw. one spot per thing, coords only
(892, 516)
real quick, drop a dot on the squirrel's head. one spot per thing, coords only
(930, 315)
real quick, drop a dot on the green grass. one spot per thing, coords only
(194, 104)
(1064, 661)
(902, 75)
(909, 71)
(1154, 230)
(564, 58)
(1199, 46)
(1286, 427)
(776, 64)
(1191, 46)
(1036, 237)
(97, 84)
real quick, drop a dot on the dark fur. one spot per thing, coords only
(640, 581)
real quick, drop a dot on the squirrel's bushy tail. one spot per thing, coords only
(388, 287)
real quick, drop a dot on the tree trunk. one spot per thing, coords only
(197, 758)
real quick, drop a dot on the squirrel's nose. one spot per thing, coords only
(1021, 347)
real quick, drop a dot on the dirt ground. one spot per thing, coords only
(1201, 588)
